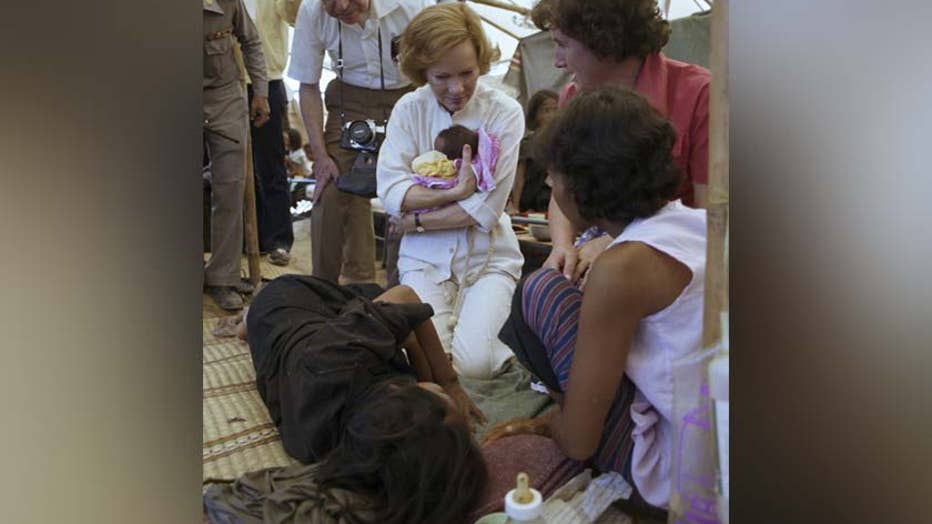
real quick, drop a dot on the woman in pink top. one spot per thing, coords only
(606, 353)
(618, 42)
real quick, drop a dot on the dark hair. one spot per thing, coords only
(615, 29)
(294, 139)
(403, 451)
(534, 105)
(614, 151)
(452, 139)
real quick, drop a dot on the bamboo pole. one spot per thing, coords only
(249, 216)
(501, 5)
(500, 28)
(716, 275)
(249, 195)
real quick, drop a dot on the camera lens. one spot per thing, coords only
(360, 133)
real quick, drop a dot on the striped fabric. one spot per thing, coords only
(550, 306)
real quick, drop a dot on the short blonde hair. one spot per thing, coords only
(435, 31)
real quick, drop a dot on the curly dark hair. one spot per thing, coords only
(614, 152)
(534, 105)
(403, 451)
(615, 29)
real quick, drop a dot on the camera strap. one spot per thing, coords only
(340, 72)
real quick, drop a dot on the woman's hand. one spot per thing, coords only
(587, 255)
(465, 404)
(563, 258)
(520, 426)
(467, 183)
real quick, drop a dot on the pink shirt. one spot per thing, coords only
(680, 92)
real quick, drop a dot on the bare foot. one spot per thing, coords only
(228, 326)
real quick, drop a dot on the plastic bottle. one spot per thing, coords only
(524, 503)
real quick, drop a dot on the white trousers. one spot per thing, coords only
(471, 334)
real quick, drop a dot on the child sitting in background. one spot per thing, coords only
(437, 169)
(296, 160)
(530, 192)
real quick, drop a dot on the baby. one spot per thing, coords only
(438, 168)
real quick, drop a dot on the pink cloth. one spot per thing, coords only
(540, 457)
(483, 165)
(680, 92)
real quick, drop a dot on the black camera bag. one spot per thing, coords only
(360, 180)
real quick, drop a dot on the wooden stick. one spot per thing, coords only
(249, 216)
(249, 196)
(508, 7)
(500, 28)
(716, 275)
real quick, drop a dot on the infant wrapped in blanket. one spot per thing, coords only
(438, 169)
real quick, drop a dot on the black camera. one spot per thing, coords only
(362, 135)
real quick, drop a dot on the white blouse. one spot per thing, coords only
(661, 344)
(414, 124)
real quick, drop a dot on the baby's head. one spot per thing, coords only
(451, 140)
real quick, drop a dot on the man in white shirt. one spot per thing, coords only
(342, 237)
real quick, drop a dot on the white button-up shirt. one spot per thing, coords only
(315, 32)
(414, 124)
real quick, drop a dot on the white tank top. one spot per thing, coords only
(661, 339)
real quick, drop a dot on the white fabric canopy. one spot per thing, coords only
(518, 25)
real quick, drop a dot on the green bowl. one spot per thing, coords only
(493, 518)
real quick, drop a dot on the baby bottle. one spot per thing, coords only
(524, 504)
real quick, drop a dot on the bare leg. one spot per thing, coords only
(426, 347)
(418, 360)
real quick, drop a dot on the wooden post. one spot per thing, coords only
(249, 217)
(716, 274)
(502, 5)
(500, 28)
(249, 196)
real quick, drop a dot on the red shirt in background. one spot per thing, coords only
(680, 92)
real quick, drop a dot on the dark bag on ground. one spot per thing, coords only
(360, 180)
(316, 347)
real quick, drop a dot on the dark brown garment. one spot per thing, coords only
(317, 347)
(279, 495)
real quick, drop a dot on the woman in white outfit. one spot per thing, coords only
(461, 256)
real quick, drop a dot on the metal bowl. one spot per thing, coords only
(540, 232)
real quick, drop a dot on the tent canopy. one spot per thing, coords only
(502, 25)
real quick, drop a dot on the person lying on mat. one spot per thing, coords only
(606, 353)
(406, 456)
(318, 347)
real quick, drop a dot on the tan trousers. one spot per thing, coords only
(225, 111)
(342, 234)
